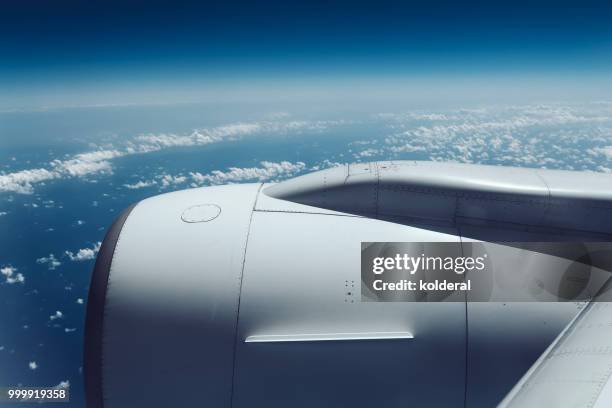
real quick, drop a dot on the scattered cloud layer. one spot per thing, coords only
(575, 137)
(99, 161)
(265, 172)
(547, 136)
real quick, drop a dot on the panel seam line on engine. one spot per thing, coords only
(308, 212)
(246, 243)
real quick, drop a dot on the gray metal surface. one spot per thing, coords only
(249, 294)
(301, 278)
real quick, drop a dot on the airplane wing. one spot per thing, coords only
(576, 370)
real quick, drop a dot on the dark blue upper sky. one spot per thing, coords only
(61, 44)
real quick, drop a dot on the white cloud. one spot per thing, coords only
(368, 153)
(606, 151)
(278, 115)
(80, 301)
(80, 165)
(50, 260)
(62, 385)
(168, 180)
(326, 164)
(140, 184)
(67, 330)
(87, 163)
(33, 365)
(267, 171)
(154, 142)
(84, 254)
(200, 137)
(11, 276)
(22, 181)
(163, 180)
(2, 213)
(57, 315)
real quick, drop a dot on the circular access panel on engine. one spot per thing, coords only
(201, 213)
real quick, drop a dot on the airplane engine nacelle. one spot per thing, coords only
(219, 296)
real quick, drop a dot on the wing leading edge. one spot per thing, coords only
(576, 370)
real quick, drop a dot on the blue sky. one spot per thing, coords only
(80, 53)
